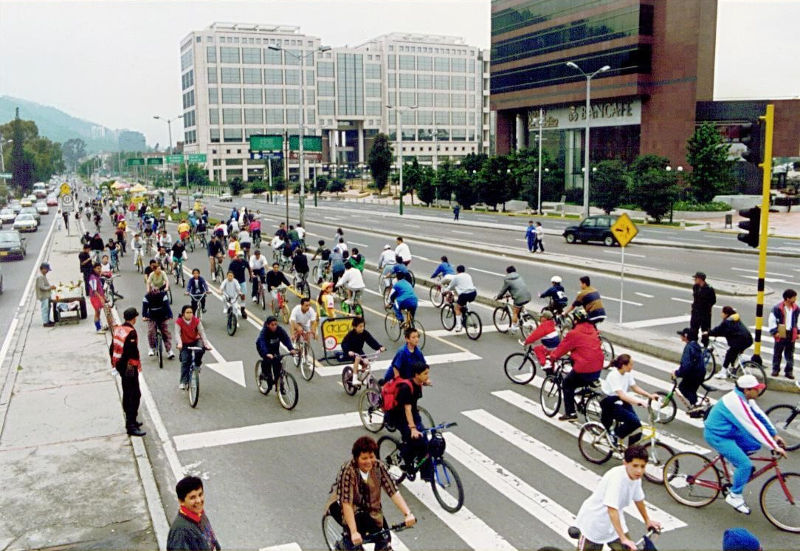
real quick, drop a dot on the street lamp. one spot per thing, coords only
(602, 69)
(301, 203)
(171, 175)
(400, 145)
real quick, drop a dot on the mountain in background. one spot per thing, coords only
(58, 126)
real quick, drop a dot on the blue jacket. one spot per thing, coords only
(403, 293)
(735, 418)
(196, 287)
(530, 233)
(404, 361)
(692, 366)
(556, 292)
(399, 269)
(445, 268)
(269, 342)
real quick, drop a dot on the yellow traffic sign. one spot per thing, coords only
(624, 229)
(65, 189)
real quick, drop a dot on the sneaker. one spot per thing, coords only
(151, 352)
(737, 502)
(244, 314)
(458, 328)
(182, 386)
(790, 376)
(204, 309)
(568, 417)
(514, 328)
(613, 437)
(255, 299)
(171, 355)
(49, 324)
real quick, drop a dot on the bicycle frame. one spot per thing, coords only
(771, 462)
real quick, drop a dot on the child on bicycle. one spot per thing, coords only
(325, 301)
(736, 334)
(551, 338)
(107, 274)
(197, 289)
(352, 281)
(403, 298)
(692, 369)
(353, 347)
(231, 291)
(324, 255)
(618, 402)
(405, 417)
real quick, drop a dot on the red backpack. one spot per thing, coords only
(390, 390)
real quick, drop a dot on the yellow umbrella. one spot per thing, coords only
(138, 188)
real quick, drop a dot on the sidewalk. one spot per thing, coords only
(68, 470)
(781, 224)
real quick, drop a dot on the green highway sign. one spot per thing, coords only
(174, 159)
(310, 143)
(155, 161)
(5, 175)
(197, 157)
(266, 142)
(136, 162)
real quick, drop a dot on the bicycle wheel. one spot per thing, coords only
(448, 317)
(304, 289)
(751, 368)
(315, 273)
(412, 278)
(387, 301)
(285, 313)
(527, 324)
(358, 310)
(608, 349)
(786, 419)
(501, 319)
(691, 479)
(389, 451)
(658, 454)
(160, 349)
(232, 323)
(262, 297)
(519, 368)
(473, 325)
(778, 501)
(332, 532)
(261, 383)
(592, 410)
(347, 381)
(436, 296)
(392, 326)
(369, 409)
(550, 395)
(426, 417)
(307, 362)
(287, 391)
(421, 330)
(345, 307)
(447, 487)
(666, 408)
(593, 443)
(710, 363)
(194, 387)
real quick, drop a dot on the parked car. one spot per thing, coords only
(592, 228)
(33, 212)
(12, 244)
(7, 215)
(25, 222)
(226, 198)
(52, 201)
(42, 208)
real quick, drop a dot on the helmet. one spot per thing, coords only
(436, 445)
(387, 247)
(555, 279)
(578, 316)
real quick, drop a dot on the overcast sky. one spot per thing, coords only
(116, 62)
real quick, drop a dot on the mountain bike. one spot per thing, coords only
(363, 378)
(470, 320)
(445, 482)
(283, 306)
(159, 345)
(304, 359)
(520, 367)
(286, 385)
(300, 282)
(334, 533)
(667, 407)
(645, 543)
(196, 304)
(503, 314)
(177, 269)
(218, 272)
(138, 260)
(734, 371)
(786, 418)
(232, 320)
(587, 398)
(370, 410)
(353, 304)
(260, 290)
(396, 328)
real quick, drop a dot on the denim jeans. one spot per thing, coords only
(45, 305)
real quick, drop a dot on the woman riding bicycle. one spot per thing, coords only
(353, 346)
(618, 402)
(736, 333)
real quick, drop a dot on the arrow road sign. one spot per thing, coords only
(624, 230)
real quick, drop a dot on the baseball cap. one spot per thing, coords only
(130, 313)
(44, 266)
(685, 332)
(749, 382)
(387, 247)
(701, 275)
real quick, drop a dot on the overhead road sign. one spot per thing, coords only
(155, 161)
(197, 157)
(624, 230)
(266, 155)
(136, 161)
(266, 142)
(310, 143)
(174, 159)
(65, 189)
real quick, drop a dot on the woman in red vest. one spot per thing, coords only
(190, 333)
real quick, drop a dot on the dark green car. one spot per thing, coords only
(593, 228)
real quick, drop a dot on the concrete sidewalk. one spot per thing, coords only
(70, 475)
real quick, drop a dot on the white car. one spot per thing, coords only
(42, 208)
(7, 215)
(25, 222)
(226, 198)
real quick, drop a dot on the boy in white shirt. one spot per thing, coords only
(601, 519)
(618, 403)
(352, 281)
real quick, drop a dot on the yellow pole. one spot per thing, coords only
(766, 167)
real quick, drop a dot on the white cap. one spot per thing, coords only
(555, 279)
(387, 247)
(749, 381)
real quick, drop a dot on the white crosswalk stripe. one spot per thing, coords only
(378, 367)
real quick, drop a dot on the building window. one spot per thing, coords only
(231, 95)
(213, 96)
(471, 84)
(292, 116)
(272, 57)
(188, 99)
(391, 80)
(228, 54)
(326, 107)
(214, 135)
(442, 117)
(212, 75)
(441, 64)
(274, 96)
(406, 80)
(458, 118)
(424, 99)
(458, 101)
(186, 59)
(458, 83)
(230, 75)
(309, 77)
(292, 97)
(311, 117)
(407, 99)
(373, 108)
(213, 116)
(442, 100)
(471, 116)
(292, 77)
(406, 63)
(231, 116)
(458, 65)
(273, 76)
(251, 76)
(253, 96)
(372, 70)
(251, 55)
(424, 63)
(392, 62)
(292, 57)
(424, 82)
(211, 54)
(325, 69)
(442, 82)
(372, 89)
(311, 98)
(274, 116)
(232, 134)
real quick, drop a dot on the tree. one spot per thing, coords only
(426, 190)
(73, 150)
(412, 176)
(21, 164)
(609, 185)
(380, 161)
(236, 185)
(336, 185)
(654, 188)
(712, 171)
(474, 161)
(465, 189)
(197, 175)
(495, 183)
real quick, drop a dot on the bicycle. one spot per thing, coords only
(190, 242)
(283, 306)
(300, 282)
(304, 359)
(201, 238)
(645, 543)
(287, 390)
(445, 482)
(786, 419)
(364, 376)
(470, 320)
(333, 530)
(177, 270)
(261, 295)
(587, 398)
(218, 272)
(520, 367)
(693, 480)
(396, 328)
(503, 314)
(437, 291)
(159, 346)
(108, 290)
(734, 371)
(138, 260)
(353, 304)
(565, 322)
(195, 302)
(597, 445)
(194, 377)
(324, 275)
(232, 321)
(370, 409)
(667, 407)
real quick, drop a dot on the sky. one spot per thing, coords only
(116, 62)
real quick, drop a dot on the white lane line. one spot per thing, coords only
(293, 546)
(358, 244)
(751, 271)
(771, 279)
(490, 273)
(175, 466)
(266, 431)
(382, 365)
(446, 333)
(529, 499)
(615, 253)
(570, 469)
(465, 524)
(687, 301)
(657, 321)
(615, 299)
(645, 295)
(461, 232)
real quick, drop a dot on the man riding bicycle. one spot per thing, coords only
(300, 264)
(406, 357)
(589, 299)
(324, 255)
(268, 346)
(137, 245)
(164, 260)
(275, 280)
(214, 255)
(189, 333)
(178, 252)
(303, 321)
(465, 289)
(197, 287)
(514, 285)
(184, 228)
(352, 281)
(403, 251)
(403, 297)
(156, 312)
(258, 267)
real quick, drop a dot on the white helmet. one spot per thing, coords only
(555, 279)
(387, 247)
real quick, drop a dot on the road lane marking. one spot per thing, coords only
(293, 546)
(446, 333)
(615, 299)
(627, 254)
(170, 452)
(687, 301)
(657, 321)
(383, 365)
(572, 470)
(490, 273)
(645, 295)
(751, 271)
(461, 232)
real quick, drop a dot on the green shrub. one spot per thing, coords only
(691, 206)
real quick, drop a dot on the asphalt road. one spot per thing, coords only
(268, 471)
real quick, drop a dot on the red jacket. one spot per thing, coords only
(583, 344)
(547, 332)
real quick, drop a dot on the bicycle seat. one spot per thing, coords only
(708, 388)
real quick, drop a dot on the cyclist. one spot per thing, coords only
(268, 345)
(301, 234)
(201, 227)
(444, 269)
(403, 251)
(353, 347)
(258, 267)
(221, 231)
(617, 405)
(214, 254)
(164, 260)
(352, 281)
(233, 225)
(178, 253)
(245, 241)
(197, 286)
(277, 246)
(97, 245)
(107, 274)
(558, 298)
(736, 427)
(403, 298)
(405, 417)
(338, 259)
(386, 260)
(589, 299)
(255, 230)
(96, 295)
(189, 332)
(120, 235)
(551, 338)
(149, 241)
(324, 255)
(358, 259)
(406, 357)
(358, 490)
(583, 345)
(281, 231)
(165, 239)
(325, 300)
(341, 246)
(183, 229)
(293, 238)
(156, 312)
(514, 285)
(303, 321)
(241, 272)
(692, 369)
(300, 264)
(137, 244)
(736, 334)
(465, 289)
(276, 280)
(231, 291)
(234, 248)
(157, 280)
(600, 518)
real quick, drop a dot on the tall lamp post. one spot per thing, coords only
(400, 146)
(301, 202)
(169, 126)
(589, 77)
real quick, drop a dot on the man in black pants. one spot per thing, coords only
(85, 260)
(124, 352)
(704, 300)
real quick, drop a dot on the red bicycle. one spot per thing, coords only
(696, 481)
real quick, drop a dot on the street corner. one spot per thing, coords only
(77, 495)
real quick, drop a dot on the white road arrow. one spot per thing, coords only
(231, 370)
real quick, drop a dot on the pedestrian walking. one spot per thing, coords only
(65, 216)
(783, 319)
(124, 352)
(703, 301)
(539, 243)
(530, 236)
(43, 289)
(191, 530)
(456, 211)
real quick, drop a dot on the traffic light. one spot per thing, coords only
(750, 136)
(752, 225)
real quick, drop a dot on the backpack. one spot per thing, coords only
(390, 390)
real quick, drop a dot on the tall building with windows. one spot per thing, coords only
(244, 79)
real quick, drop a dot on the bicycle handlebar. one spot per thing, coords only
(440, 426)
(399, 527)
